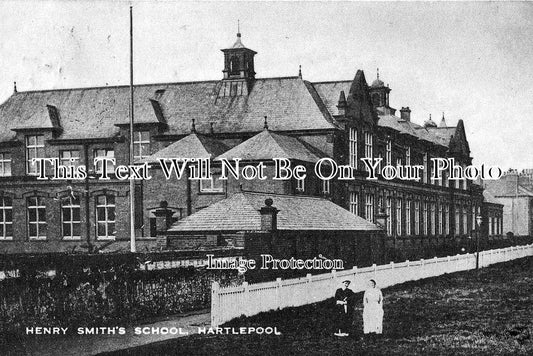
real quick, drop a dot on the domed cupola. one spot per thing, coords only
(379, 93)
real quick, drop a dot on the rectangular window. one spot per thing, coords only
(104, 152)
(353, 148)
(5, 164)
(34, 149)
(425, 173)
(457, 222)
(440, 217)
(465, 221)
(141, 144)
(389, 214)
(417, 217)
(6, 218)
(369, 207)
(70, 217)
(105, 217)
(399, 217)
(325, 186)
(354, 209)
(69, 158)
(408, 156)
(388, 154)
(36, 218)
(433, 222)
(425, 219)
(447, 219)
(369, 145)
(300, 185)
(408, 217)
(213, 185)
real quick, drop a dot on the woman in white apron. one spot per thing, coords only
(373, 310)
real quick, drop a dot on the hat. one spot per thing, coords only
(346, 280)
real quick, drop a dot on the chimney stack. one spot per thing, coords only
(342, 104)
(163, 221)
(405, 114)
(269, 216)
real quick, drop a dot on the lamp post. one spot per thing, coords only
(479, 220)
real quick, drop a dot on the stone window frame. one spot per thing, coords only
(40, 208)
(71, 221)
(4, 221)
(107, 222)
(141, 144)
(5, 161)
(38, 150)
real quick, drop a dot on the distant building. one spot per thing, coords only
(515, 191)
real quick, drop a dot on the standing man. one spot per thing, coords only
(344, 302)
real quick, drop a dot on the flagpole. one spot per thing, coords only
(132, 182)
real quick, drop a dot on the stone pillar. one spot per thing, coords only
(163, 221)
(269, 216)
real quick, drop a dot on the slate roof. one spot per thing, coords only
(489, 198)
(192, 146)
(507, 186)
(268, 145)
(94, 112)
(240, 212)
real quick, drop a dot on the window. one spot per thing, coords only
(69, 158)
(5, 164)
(425, 219)
(408, 156)
(465, 221)
(141, 144)
(440, 217)
(353, 203)
(389, 214)
(399, 217)
(36, 218)
(326, 186)
(353, 148)
(457, 221)
(425, 173)
(109, 153)
(369, 207)
(433, 222)
(417, 217)
(6, 218)
(213, 185)
(105, 217)
(300, 185)
(34, 149)
(368, 145)
(447, 219)
(388, 154)
(408, 217)
(70, 217)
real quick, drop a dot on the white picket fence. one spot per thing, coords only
(251, 299)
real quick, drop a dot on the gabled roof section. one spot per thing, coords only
(268, 145)
(329, 93)
(459, 143)
(240, 212)
(95, 112)
(359, 102)
(192, 146)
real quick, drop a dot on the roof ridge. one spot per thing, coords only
(137, 85)
(333, 81)
(302, 196)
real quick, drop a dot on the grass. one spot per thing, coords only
(486, 312)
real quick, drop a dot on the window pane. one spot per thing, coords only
(42, 215)
(31, 140)
(42, 229)
(76, 230)
(40, 140)
(100, 214)
(33, 229)
(111, 214)
(9, 215)
(111, 230)
(76, 214)
(66, 214)
(66, 230)
(110, 200)
(32, 215)
(101, 229)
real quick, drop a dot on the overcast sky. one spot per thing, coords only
(472, 61)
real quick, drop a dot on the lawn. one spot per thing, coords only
(469, 313)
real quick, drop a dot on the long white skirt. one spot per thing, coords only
(373, 318)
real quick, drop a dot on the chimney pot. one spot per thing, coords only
(269, 216)
(405, 113)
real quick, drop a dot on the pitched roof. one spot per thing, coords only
(192, 146)
(240, 212)
(268, 145)
(94, 112)
(507, 186)
(489, 198)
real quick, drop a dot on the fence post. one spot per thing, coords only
(310, 296)
(214, 304)
(278, 292)
(246, 299)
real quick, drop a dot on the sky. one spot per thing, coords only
(470, 61)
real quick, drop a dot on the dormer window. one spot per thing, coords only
(34, 149)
